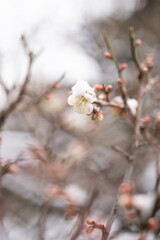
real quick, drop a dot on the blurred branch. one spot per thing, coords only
(83, 215)
(5, 113)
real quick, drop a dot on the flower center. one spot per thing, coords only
(81, 103)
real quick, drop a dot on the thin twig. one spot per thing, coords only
(5, 113)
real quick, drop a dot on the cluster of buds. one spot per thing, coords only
(92, 225)
(104, 89)
(97, 115)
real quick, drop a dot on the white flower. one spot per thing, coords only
(132, 104)
(82, 97)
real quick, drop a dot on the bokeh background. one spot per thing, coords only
(64, 157)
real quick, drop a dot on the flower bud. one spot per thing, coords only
(98, 88)
(100, 116)
(152, 224)
(145, 120)
(119, 81)
(109, 88)
(145, 69)
(13, 168)
(138, 42)
(57, 85)
(123, 66)
(47, 96)
(108, 55)
(125, 200)
(126, 187)
(102, 96)
(90, 222)
(89, 229)
(150, 61)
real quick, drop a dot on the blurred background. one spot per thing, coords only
(66, 170)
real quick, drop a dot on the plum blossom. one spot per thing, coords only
(82, 97)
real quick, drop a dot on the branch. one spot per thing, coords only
(102, 103)
(5, 113)
(122, 87)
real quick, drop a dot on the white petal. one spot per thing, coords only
(88, 108)
(90, 96)
(132, 104)
(71, 100)
(80, 88)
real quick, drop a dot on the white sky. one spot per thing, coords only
(49, 25)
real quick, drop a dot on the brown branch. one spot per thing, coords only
(129, 170)
(5, 113)
(102, 103)
(83, 215)
(123, 152)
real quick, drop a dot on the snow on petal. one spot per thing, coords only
(132, 104)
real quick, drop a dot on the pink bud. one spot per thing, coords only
(102, 96)
(57, 85)
(125, 200)
(89, 229)
(47, 96)
(119, 81)
(108, 55)
(90, 222)
(13, 168)
(152, 224)
(145, 120)
(126, 188)
(123, 66)
(145, 69)
(98, 88)
(138, 42)
(150, 61)
(109, 88)
(100, 116)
